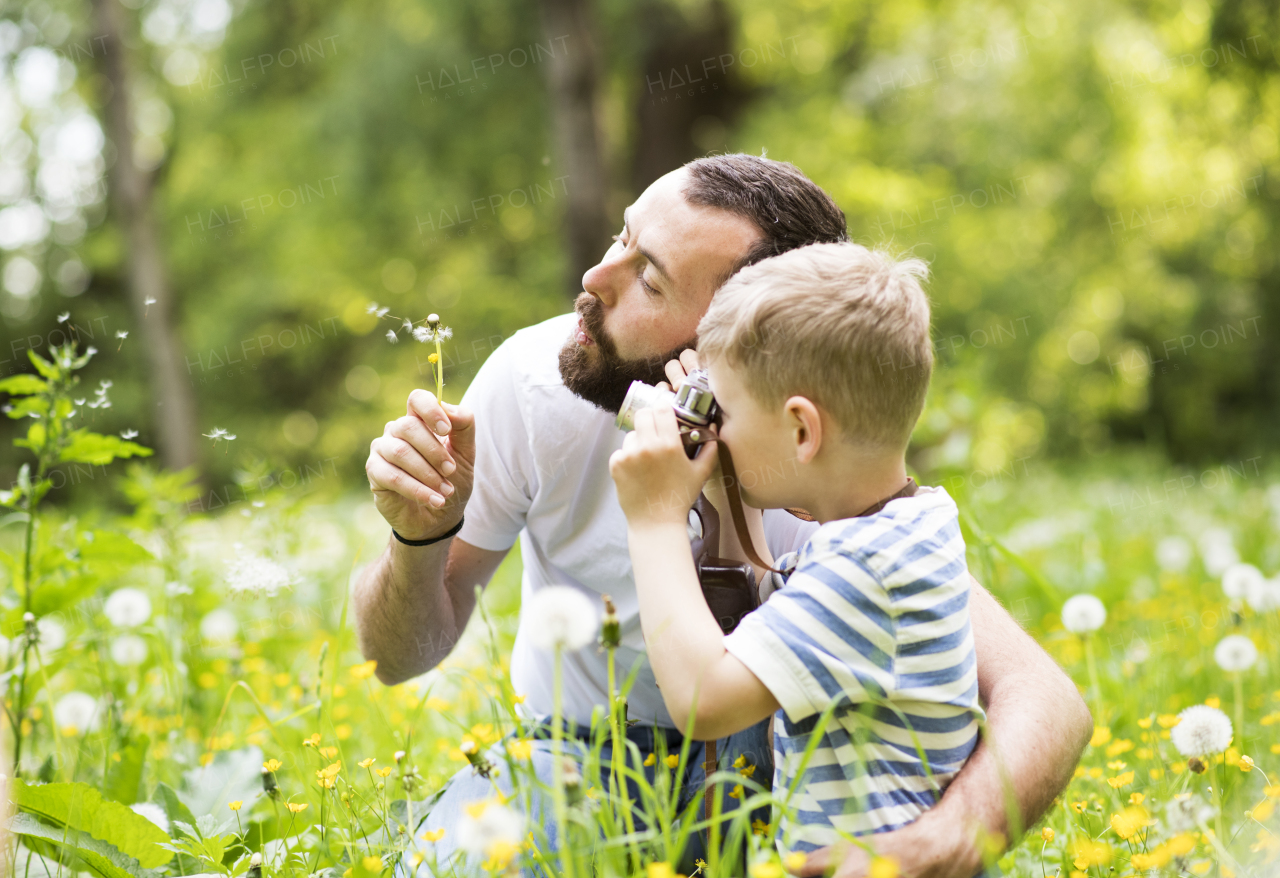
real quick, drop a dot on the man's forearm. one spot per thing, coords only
(405, 616)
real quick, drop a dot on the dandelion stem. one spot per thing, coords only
(1238, 682)
(439, 370)
(557, 766)
(1093, 678)
(617, 758)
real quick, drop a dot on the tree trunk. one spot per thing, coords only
(131, 191)
(573, 73)
(689, 94)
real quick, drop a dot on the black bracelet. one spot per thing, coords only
(453, 531)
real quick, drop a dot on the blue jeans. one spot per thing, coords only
(467, 786)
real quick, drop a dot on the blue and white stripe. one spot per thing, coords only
(873, 617)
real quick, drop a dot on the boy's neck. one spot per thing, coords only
(853, 483)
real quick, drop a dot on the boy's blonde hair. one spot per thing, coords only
(842, 325)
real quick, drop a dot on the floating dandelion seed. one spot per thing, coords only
(121, 334)
(147, 303)
(79, 401)
(372, 308)
(392, 337)
(64, 316)
(128, 434)
(218, 435)
(1202, 731)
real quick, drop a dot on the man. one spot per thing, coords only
(527, 455)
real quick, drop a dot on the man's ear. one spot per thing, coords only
(805, 422)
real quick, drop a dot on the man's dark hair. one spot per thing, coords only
(788, 208)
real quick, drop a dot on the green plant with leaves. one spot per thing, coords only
(54, 438)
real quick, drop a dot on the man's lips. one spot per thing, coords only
(580, 334)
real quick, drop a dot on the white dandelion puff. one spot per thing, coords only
(122, 333)
(1235, 652)
(562, 616)
(422, 334)
(1218, 550)
(1187, 814)
(1266, 596)
(1239, 580)
(407, 325)
(128, 434)
(219, 626)
(381, 312)
(128, 650)
(76, 713)
(51, 634)
(1201, 731)
(1083, 613)
(392, 337)
(127, 608)
(64, 316)
(255, 575)
(149, 300)
(151, 810)
(79, 401)
(487, 824)
(372, 308)
(1173, 554)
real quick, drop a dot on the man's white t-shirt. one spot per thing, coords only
(542, 474)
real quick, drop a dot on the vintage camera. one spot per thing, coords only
(692, 400)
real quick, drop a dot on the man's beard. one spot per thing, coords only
(603, 378)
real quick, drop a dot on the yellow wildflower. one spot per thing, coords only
(330, 771)
(651, 759)
(384, 771)
(766, 869)
(1136, 798)
(740, 761)
(1181, 844)
(236, 805)
(759, 827)
(1120, 780)
(313, 741)
(883, 867)
(272, 765)
(328, 752)
(661, 869)
(373, 864)
(364, 671)
(736, 792)
(1168, 720)
(1124, 745)
(1144, 723)
(748, 771)
(1129, 821)
(520, 749)
(1079, 806)
(432, 835)
(1117, 765)
(296, 807)
(518, 699)
(1213, 701)
(672, 761)
(433, 358)
(1246, 764)
(795, 861)
(1090, 852)
(1101, 735)
(1262, 813)
(365, 763)
(1046, 834)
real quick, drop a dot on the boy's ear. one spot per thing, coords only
(805, 422)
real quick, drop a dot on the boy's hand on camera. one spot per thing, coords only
(657, 483)
(678, 370)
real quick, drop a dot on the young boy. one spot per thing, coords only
(819, 360)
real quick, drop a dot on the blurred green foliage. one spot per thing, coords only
(1091, 183)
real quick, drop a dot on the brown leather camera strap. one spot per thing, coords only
(740, 517)
(735, 507)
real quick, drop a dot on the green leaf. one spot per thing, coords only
(43, 366)
(165, 796)
(102, 857)
(95, 448)
(29, 405)
(124, 776)
(80, 807)
(23, 385)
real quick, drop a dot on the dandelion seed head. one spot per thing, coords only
(219, 626)
(561, 616)
(128, 650)
(1083, 613)
(422, 334)
(1173, 554)
(1202, 731)
(257, 575)
(52, 635)
(152, 812)
(1239, 580)
(127, 608)
(1235, 652)
(489, 824)
(76, 713)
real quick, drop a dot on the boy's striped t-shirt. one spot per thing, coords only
(873, 617)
